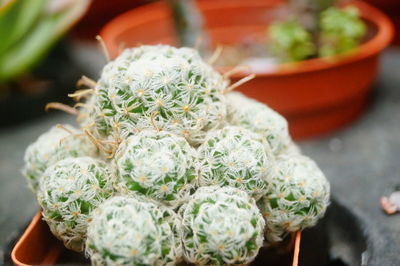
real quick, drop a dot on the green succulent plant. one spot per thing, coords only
(259, 118)
(52, 146)
(133, 231)
(234, 156)
(341, 30)
(221, 226)
(297, 196)
(160, 165)
(68, 193)
(170, 88)
(28, 29)
(290, 41)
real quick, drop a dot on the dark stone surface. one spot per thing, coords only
(361, 161)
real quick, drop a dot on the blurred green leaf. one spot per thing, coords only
(16, 17)
(290, 41)
(341, 30)
(36, 42)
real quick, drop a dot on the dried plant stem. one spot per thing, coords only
(215, 55)
(153, 122)
(79, 93)
(103, 47)
(62, 107)
(235, 70)
(239, 83)
(85, 81)
(296, 249)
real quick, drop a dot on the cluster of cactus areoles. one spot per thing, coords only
(68, 192)
(173, 88)
(221, 226)
(160, 165)
(169, 165)
(234, 156)
(259, 118)
(297, 196)
(59, 142)
(133, 231)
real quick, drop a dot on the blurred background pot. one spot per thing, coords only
(316, 95)
(392, 9)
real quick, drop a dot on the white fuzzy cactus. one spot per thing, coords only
(159, 165)
(298, 195)
(259, 118)
(133, 231)
(171, 87)
(221, 226)
(52, 146)
(68, 192)
(234, 156)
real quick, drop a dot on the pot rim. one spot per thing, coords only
(380, 40)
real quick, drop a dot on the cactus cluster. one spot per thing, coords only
(197, 173)
(221, 226)
(297, 196)
(172, 89)
(59, 142)
(160, 165)
(133, 231)
(69, 191)
(234, 156)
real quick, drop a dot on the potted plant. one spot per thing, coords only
(316, 95)
(209, 175)
(28, 31)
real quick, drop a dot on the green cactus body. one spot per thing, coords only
(160, 165)
(54, 145)
(341, 30)
(133, 231)
(297, 196)
(221, 226)
(172, 88)
(259, 118)
(290, 41)
(68, 192)
(236, 157)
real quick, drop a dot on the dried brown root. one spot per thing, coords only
(65, 129)
(235, 70)
(99, 144)
(62, 107)
(239, 83)
(80, 93)
(216, 54)
(87, 82)
(153, 122)
(296, 248)
(103, 47)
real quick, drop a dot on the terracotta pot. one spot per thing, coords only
(99, 13)
(316, 96)
(392, 9)
(37, 246)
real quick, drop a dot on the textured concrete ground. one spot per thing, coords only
(362, 162)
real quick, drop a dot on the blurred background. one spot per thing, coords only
(332, 68)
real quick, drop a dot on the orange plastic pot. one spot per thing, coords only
(316, 96)
(37, 246)
(392, 9)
